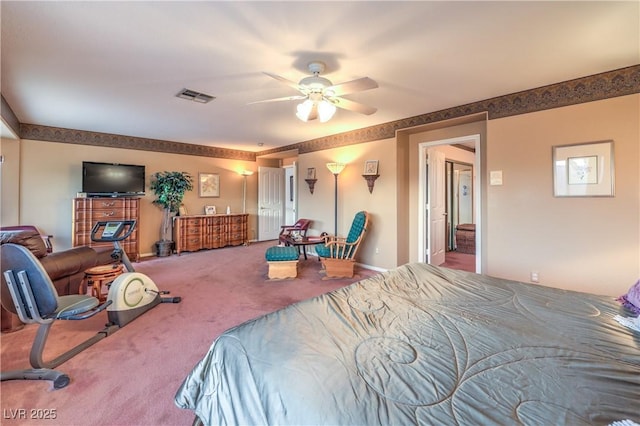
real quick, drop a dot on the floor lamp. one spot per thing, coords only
(244, 174)
(335, 168)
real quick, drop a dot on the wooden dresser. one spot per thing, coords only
(193, 233)
(88, 211)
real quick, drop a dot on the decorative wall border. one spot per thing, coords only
(611, 84)
(621, 82)
(82, 137)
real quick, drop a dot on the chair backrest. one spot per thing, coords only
(358, 226)
(14, 259)
(7, 231)
(303, 224)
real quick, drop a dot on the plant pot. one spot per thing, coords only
(163, 248)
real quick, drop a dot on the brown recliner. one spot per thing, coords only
(65, 268)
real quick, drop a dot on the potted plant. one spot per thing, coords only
(169, 188)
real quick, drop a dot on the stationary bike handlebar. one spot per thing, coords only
(115, 230)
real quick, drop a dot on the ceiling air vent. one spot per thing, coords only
(192, 95)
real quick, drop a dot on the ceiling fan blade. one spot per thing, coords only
(286, 98)
(284, 80)
(353, 86)
(353, 106)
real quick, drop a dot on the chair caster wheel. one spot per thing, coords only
(61, 381)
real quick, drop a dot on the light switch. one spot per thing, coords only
(495, 177)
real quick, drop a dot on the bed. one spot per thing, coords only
(424, 345)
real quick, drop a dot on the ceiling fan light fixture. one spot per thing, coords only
(326, 110)
(303, 111)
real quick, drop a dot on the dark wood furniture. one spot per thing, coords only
(198, 232)
(299, 228)
(466, 238)
(301, 243)
(88, 211)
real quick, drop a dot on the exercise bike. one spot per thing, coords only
(36, 301)
(131, 294)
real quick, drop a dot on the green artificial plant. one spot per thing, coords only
(169, 188)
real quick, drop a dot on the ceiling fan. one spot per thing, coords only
(321, 97)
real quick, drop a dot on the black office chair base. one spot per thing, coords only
(59, 379)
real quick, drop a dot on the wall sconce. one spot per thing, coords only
(370, 181)
(371, 173)
(311, 183)
(311, 178)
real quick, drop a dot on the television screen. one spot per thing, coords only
(104, 179)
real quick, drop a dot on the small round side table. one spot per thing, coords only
(99, 278)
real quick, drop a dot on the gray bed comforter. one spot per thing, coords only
(424, 345)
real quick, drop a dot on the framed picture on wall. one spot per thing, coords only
(311, 173)
(583, 170)
(371, 167)
(208, 184)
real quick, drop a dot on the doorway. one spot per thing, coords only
(429, 228)
(460, 194)
(270, 202)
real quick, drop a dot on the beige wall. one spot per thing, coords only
(587, 244)
(51, 175)
(380, 245)
(9, 182)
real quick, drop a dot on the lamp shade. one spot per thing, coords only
(246, 172)
(336, 168)
(304, 110)
(326, 110)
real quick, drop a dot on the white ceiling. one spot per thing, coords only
(115, 67)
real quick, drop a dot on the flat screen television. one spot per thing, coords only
(112, 180)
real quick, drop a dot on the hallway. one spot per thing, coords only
(460, 261)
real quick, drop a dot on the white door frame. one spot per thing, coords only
(422, 202)
(270, 202)
(291, 194)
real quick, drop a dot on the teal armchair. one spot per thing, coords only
(338, 253)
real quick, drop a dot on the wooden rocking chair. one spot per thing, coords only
(338, 253)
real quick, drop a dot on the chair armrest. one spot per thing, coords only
(47, 242)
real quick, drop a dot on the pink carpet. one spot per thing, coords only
(130, 378)
(460, 261)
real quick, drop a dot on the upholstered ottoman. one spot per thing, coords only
(466, 238)
(283, 261)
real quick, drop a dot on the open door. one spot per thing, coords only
(431, 185)
(436, 206)
(270, 202)
(290, 199)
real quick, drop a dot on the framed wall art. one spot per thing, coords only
(583, 170)
(371, 167)
(311, 173)
(208, 184)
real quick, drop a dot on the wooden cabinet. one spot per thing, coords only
(88, 211)
(193, 233)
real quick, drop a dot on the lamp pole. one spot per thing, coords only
(244, 174)
(335, 206)
(335, 168)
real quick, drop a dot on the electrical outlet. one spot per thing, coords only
(534, 277)
(377, 250)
